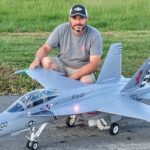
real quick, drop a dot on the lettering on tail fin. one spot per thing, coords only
(138, 78)
(146, 78)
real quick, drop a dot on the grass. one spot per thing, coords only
(39, 15)
(18, 50)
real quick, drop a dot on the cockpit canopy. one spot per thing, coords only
(32, 99)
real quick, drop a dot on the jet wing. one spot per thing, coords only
(51, 79)
(128, 108)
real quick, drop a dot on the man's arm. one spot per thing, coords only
(92, 66)
(42, 52)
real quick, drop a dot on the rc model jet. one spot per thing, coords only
(112, 94)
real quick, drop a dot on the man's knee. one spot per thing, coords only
(46, 62)
(87, 79)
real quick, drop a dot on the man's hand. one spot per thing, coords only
(92, 66)
(40, 54)
(74, 76)
(34, 64)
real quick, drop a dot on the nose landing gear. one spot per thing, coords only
(32, 143)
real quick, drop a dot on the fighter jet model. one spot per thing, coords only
(112, 94)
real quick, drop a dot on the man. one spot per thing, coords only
(80, 48)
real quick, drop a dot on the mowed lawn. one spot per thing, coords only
(26, 24)
(44, 15)
(18, 50)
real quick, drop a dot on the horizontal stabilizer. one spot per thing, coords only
(139, 93)
(111, 69)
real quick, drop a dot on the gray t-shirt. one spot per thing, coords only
(74, 51)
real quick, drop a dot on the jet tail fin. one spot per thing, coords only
(140, 78)
(111, 69)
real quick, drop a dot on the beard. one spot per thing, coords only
(78, 27)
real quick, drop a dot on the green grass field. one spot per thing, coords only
(44, 15)
(26, 24)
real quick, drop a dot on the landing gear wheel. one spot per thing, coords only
(29, 144)
(70, 121)
(114, 129)
(33, 145)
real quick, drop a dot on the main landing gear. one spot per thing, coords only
(70, 121)
(114, 128)
(100, 123)
(32, 142)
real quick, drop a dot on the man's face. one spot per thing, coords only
(78, 23)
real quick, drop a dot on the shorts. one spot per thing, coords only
(60, 67)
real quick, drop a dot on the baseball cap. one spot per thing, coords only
(78, 10)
